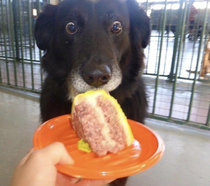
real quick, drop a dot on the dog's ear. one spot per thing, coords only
(44, 26)
(139, 23)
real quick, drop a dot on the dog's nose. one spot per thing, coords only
(97, 76)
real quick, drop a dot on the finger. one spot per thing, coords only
(87, 182)
(53, 154)
(63, 179)
(24, 159)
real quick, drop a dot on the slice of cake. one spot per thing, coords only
(98, 119)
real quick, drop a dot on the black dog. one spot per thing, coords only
(93, 44)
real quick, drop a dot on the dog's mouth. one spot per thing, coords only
(78, 85)
(73, 92)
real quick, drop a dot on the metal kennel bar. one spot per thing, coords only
(208, 118)
(160, 53)
(3, 37)
(173, 58)
(181, 32)
(21, 44)
(196, 69)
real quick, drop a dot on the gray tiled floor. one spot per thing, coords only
(181, 105)
(186, 161)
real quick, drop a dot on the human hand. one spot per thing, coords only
(37, 168)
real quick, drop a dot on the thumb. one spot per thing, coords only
(56, 153)
(87, 182)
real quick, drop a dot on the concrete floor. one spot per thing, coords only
(186, 161)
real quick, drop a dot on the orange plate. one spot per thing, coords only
(147, 149)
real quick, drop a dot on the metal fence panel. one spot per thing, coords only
(177, 90)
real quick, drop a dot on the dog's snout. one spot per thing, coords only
(97, 76)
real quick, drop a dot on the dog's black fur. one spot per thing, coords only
(93, 44)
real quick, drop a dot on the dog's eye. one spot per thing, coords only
(71, 28)
(116, 27)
